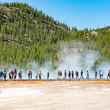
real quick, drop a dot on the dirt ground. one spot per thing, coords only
(55, 95)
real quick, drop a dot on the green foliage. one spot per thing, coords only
(98, 39)
(27, 35)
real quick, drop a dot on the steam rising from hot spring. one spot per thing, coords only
(76, 56)
(73, 56)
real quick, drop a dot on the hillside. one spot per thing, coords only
(27, 35)
(97, 39)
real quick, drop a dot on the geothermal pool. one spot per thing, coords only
(55, 95)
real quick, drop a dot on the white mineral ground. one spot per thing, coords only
(55, 95)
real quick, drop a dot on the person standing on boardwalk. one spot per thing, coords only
(36, 77)
(40, 75)
(20, 75)
(5, 74)
(101, 74)
(48, 74)
(15, 74)
(108, 76)
(59, 75)
(69, 75)
(72, 74)
(10, 75)
(77, 75)
(30, 74)
(1, 74)
(87, 76)
(65, 74)
(96, 75)
(82, 75)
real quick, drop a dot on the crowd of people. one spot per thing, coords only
(66, 75)
(75, 75)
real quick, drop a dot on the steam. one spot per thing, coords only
(73, 56)
(76, 56)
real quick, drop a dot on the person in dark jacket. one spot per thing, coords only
(30, 74)
(77, 75)
(40, 75)
(10, 75)
(59, 75)
(96, 75)
(15, 74)
(82, 77)
(69, 75)
(1, 74)
(108, 76)
(20, 75)
(48, 74)
(36, 76)
(5, 74)
(65, 74)
(72, 74)
(100, 74)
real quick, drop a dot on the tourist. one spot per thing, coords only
(81, 75)
(108, 76)
(87, 76)
(96, 75)
(72, 74)
(40, 75)
(36, 76)
(69, 75)
(59, 74)
(100, 74)
(30, 74)
(15, 74)
(65, 74)
(5, 74)
(10, 75)
(20, 75)
(1, 74)
(48, 75)
(77, 75)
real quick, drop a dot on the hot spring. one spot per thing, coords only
(73, 56)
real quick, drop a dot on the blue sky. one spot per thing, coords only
(76, 13)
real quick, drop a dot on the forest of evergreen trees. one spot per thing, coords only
(27, 34)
